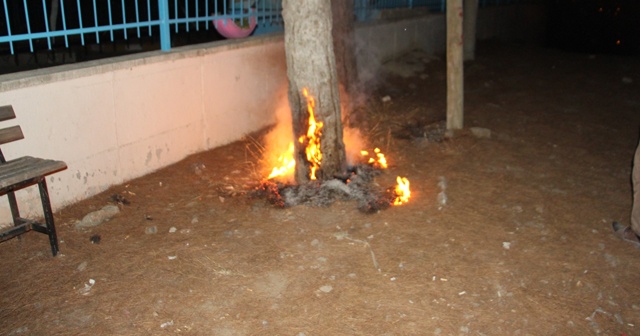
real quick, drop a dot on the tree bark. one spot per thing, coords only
(311, 64)
(347, 68)
(455, 71)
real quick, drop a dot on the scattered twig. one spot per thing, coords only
(366, 243)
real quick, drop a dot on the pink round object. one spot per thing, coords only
(230, 29)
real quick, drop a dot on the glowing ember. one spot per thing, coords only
(314, 155)
(379, 161)
(402, 191)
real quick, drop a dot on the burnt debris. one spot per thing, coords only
(357, 184)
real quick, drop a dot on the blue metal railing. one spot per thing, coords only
(31, 22)
(81, 22)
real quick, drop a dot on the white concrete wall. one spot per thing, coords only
(380, 41)
(117, 119)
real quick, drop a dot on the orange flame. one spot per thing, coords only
(312, 149)
(314, 155)
(402, 191)
(288, 164)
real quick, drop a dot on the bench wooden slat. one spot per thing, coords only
(6, 113)
(10, 134)
(27, 168)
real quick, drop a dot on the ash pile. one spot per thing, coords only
(357, 185)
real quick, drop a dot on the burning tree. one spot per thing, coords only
(317, 151)
(314, 97)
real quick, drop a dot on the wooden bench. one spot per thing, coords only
(21, 173)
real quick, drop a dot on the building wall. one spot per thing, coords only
(117, 119)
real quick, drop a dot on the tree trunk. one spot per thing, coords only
(344, 47)
(455, 73)
(311, 64)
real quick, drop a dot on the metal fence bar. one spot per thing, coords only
(175, 10)
(124, 18)
(149, 15)
(46, 22)
(206, 11)
(197, 24)
(64, 23)
(80, 21)
(110, 19)
(6, 16)
(165, 35)
(26, 15)
(95, 20)
(137, 19)
(181, 15)
(186, 15)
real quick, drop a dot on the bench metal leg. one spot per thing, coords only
(48, 216)
(13, 204)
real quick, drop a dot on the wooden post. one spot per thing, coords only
(455, 73)
(470, 19)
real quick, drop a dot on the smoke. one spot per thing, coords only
(353, 143)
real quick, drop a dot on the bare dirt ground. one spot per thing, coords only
(522, 246)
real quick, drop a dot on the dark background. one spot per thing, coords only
(595, 26)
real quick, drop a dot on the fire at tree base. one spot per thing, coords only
(357, 185)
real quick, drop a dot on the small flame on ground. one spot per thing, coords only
(402, 191)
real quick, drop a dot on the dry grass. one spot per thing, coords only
(238, 266)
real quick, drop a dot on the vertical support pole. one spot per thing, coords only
(165, 35)
(455, 73)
